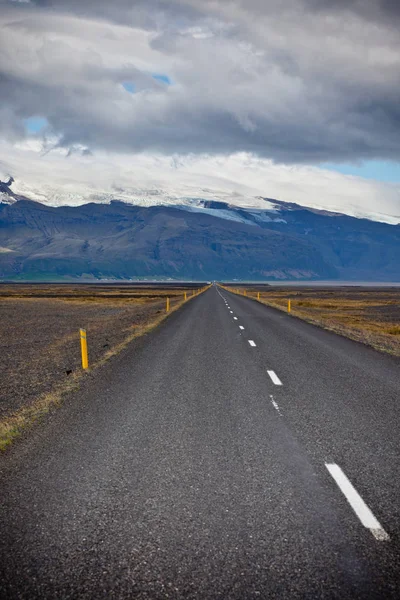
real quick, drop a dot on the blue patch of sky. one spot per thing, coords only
(388, 171)
(129, 86)
(162, 78)
(35, 124)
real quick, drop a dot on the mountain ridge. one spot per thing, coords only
(215, 241)
(163, 193)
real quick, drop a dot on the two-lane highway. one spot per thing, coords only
(235, 452)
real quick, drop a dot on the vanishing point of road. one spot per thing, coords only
(235, 452)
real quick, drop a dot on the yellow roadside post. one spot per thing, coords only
(185, 296)
(167, 307)
(84, 352)
(244, 293)
(289, 306)
(258, 295)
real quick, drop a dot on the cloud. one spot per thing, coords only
(297, 82)
(239, 178)
(242, 98)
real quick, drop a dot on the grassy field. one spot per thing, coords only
(367, 315)
(40, 346)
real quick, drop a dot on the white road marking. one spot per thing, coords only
(274, 378)
(231, 311)
(362, 511)
(241, 327)
(252, 343)
(235, 318)
(223, 297)
(275, 405)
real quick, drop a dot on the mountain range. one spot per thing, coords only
(202, 239)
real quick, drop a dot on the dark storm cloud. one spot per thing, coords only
(300, 81)
(383, 8)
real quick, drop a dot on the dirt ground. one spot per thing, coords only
(368, 315)
(39, 331)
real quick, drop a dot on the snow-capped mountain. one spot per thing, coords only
(196, 239)
(212, 203)
(163, 193)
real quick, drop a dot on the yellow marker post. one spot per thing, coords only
(289, 306)
(167, 307)
(244, 293)
(258, 295)
(85, 362)
(185, 296)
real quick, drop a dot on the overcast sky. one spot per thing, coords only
(307, 92)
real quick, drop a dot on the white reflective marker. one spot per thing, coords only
(252, 343)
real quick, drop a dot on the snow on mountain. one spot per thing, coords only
(6, 198)
(253, 206)
(54, 176)
(186, 196)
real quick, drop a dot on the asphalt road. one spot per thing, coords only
(235, 452)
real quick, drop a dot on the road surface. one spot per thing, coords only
(234, 452)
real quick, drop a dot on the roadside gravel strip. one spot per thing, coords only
(197, 465)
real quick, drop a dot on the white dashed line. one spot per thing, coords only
(274, 378)
(241, 327)
(235, 318)
(231, 311)
(362, 511)
(275, 405)
(252, 343)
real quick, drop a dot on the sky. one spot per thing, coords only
(296, 100)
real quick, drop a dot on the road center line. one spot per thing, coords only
(241, 327)
(275, 405)
(274, 378)
(252, 343)
(362, 511)
(231, 311)
(235, 318)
